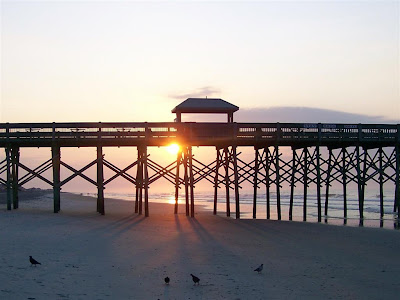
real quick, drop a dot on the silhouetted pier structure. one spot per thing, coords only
(322, 154)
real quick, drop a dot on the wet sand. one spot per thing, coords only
(126, 256)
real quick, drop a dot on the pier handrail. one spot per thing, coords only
(156, 133)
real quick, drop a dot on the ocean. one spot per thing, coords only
(335, 214)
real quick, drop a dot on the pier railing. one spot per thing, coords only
(202, 134)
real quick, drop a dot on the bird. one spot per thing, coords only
(33, 261)
(166, 279)
(195, 279)
(259, 269)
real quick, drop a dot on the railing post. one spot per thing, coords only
(53, 132)
(359, 128)
(319, 132)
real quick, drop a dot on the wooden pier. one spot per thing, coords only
(321, 155)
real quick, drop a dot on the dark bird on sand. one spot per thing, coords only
(166, 279)
(195, 279)
(259, 269)
(33, 261)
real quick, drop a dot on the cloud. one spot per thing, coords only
(202, 92)
(305, 115)
(298, 115)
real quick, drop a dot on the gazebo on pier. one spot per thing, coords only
(205, 106)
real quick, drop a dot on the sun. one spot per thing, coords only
(173, 149)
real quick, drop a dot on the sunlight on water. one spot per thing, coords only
(335, 214)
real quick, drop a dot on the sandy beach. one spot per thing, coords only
(122, 255)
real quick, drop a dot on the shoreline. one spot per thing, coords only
(389, 222)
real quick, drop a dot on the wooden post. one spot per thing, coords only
(100, 180)
(278, 182)
(236, 178)
(178, 160)
(9, 178)
(344, 178)
(255, 183)
(216, 183)
(359, 182)
(140, 150)
(227, 183)
(186, 179)
(138, 181)
(328, 175)
(364, 174)
(15, 162)
(137, 196)
(397, 183)
(191, 179)
(305, 181)
(318, 184)
(56, 177)
(381, 184)
(267, 182)
(292, 184)
(146, 184)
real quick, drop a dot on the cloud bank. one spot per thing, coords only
(306, 115)
(298, 115)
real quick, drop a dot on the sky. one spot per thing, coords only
(135, 61)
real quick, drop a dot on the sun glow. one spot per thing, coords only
(171, 200)
(173, 149)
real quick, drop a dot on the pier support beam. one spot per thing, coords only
(328, 178)
(56, 157)
(359, 182)
(186, 181)
(100, 181)
(305, 182)
(9, 178)
(236, 181)
(227, 183)
(216, 182)
(344, 180)
(142, 182)
(15, 162)
(191, 181)
(318, 184)
(267, 181)
(397, 184)
(146, 183)
(292, 177)
(255, 183)
(363, 181)
(381, 172)
(178, 165)
(138, 183)
(278, 182)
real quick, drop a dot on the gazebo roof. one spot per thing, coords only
(205, 105)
